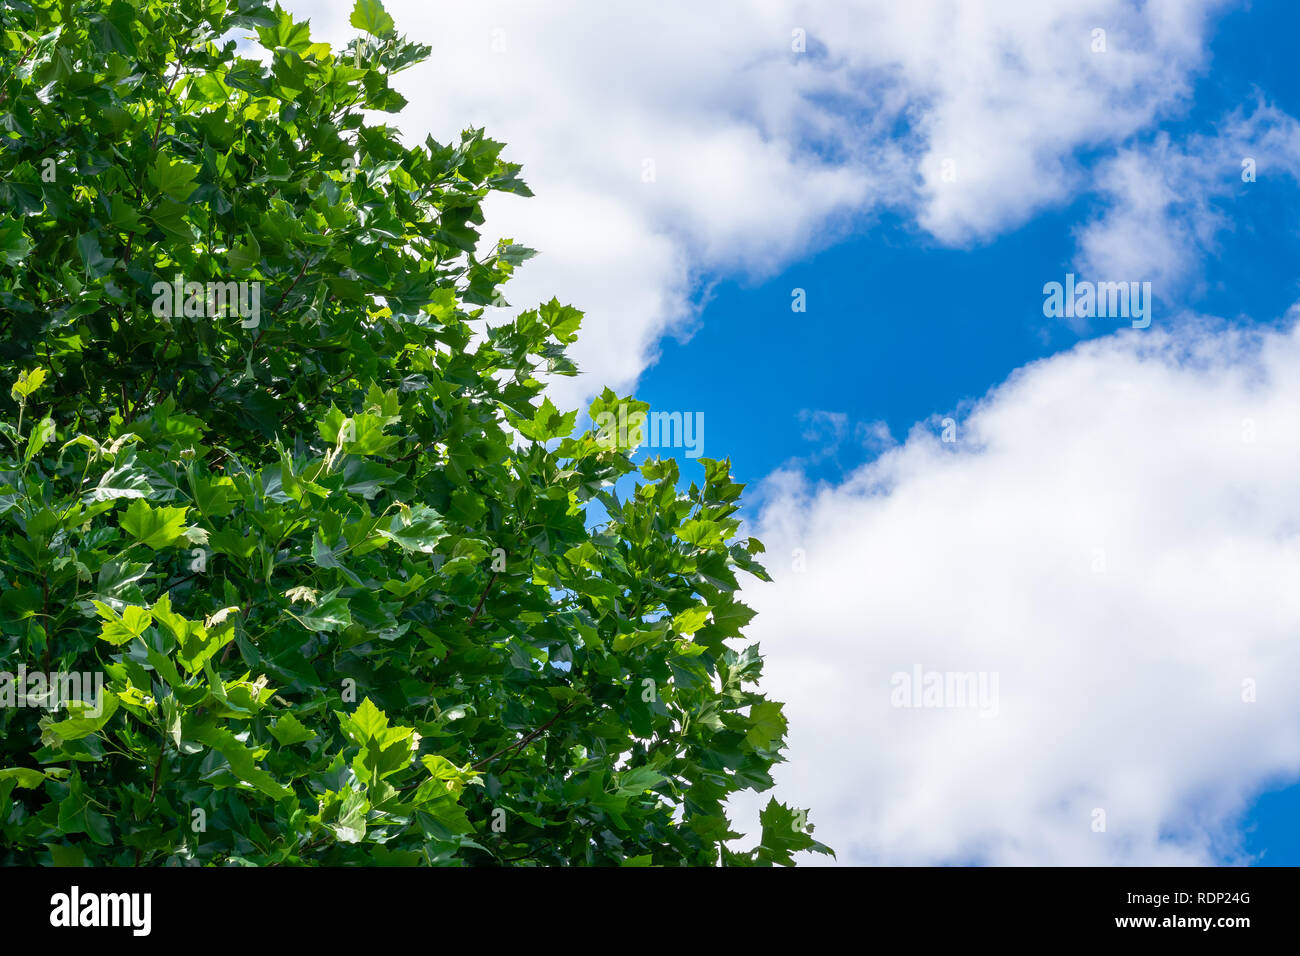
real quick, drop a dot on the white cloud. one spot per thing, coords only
(1166, 202)
(1008, 91)
(762, 154)
(1116, 535)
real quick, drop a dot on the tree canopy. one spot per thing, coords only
(356, 591)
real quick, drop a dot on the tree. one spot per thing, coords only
(270, 476)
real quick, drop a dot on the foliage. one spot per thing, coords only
(337, 566)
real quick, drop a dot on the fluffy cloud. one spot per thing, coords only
(1115, 534)
(676, 140)
(1166, 203)
(1002, 94)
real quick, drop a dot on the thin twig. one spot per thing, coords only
(482, 597)
(518, 744)
(157, 770)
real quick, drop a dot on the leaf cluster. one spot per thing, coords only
(335, 557)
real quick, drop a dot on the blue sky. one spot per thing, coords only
(1113, 534)
(900, 328)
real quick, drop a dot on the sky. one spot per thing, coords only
(827, 229)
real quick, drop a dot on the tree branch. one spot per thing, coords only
(523, 742)
(157, 770)
(482, 597)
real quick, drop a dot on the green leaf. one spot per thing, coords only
(93, 260)
(86, 720)
(24, 777)
(172, 177)
(42, 434)
(345, 814)
(61, 855)
(690, 620)
(365, 723)
(330, 613)
(766, 724)
(547, 423)
(289, 730)
(638, 780)
(155, 528)
(77, 815)
(244, 762)
(245, 255)
(195, 645)
(418, 529)
(119, 629)
(14, 246)
(28, 382)
(785, 833)
(370, 16)
(126, 480)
